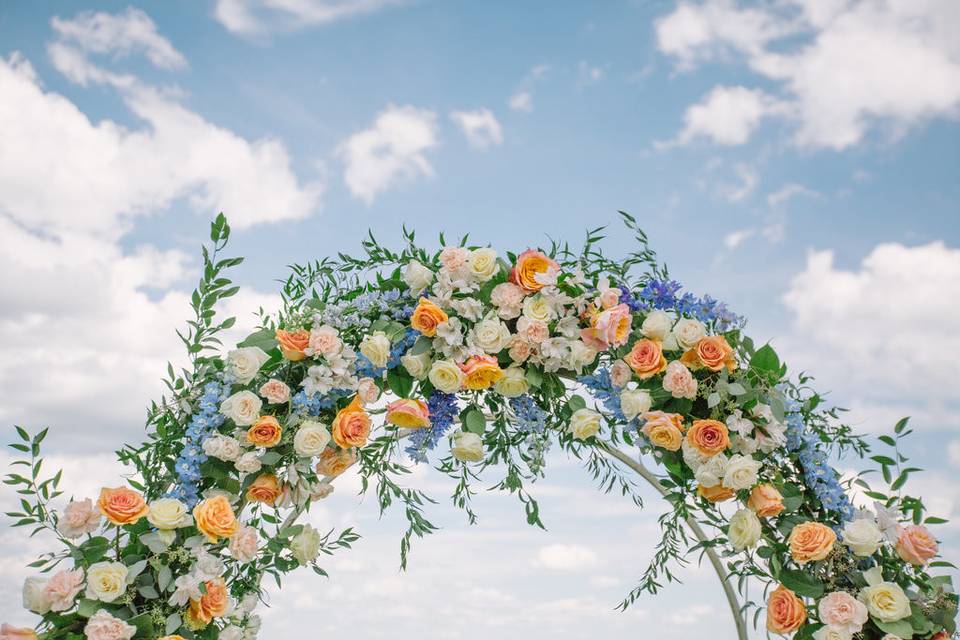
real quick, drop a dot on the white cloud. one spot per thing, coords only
(954, 451)
(735, 238)
(565, 557)
(521, 101)
(726, 116)
(847, 68)
(480, 127)
(749, 179)
(257, 17)
(788, 192)
(391, 151)
(588, 74)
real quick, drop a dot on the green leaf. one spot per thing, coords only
(265, 339)
(801, 583)
(575, 403)
(474, 421)
(736, 389)
(765, 359)
(172, 623)
(900, 628)
(534, 377)
(87, 607)
(400, 383)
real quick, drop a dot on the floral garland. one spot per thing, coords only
(377, 360)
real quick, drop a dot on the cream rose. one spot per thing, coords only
(248, 463)
(34, 596)
(584, 423)
(633, 402)
(242, 407)
(831, 633)
(513, 383)
(222, 447)
(863, 536)
(244, 363)
(106, 581)
(885, 601)
(710, 473)
(446, 376)
(466, 446)
(483, 264)
(417, 276)
(376, 347)
(538, 308)
(306, 545)
(491, 335)
(741, 472)
(311, 439)
(417, 365)
(168, 513)
(656, 325)
(744, 530)
(689, 332)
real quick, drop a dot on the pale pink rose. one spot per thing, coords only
(243, 544)
(103, 626)
(14, 633)
(78, 518)
(533, 330)
(507, 295)
(841, 610)
(678, 380)
(520, 349)
(620, 374)
(368, 391)
(62, 589)
(275, 391)
(610, 298)
(454, 257)
(610, 328)
(915, 544)
(325, 340)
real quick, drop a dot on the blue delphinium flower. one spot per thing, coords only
(603, 390)
(203, 423)
(313, 405)
(529, 416)
(444, 408)
(665, 295)
(365, 368)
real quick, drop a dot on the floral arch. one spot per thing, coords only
(380, 360)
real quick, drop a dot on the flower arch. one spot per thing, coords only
(377, 360)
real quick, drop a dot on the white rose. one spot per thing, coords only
(538, 308)
(863, 536)
(741, 472)
(711, 471)
(832, 633)
(885, 601)
(744, 529)
(248, 463)
(417, 276)
(242, 407)
(656, 325)
(231, 632)
(581, 354)
(311, 439)
(34, 597)
(306, 545)
(377, 349)
(584, 423)
(416, 365)
(513, 383)
(483, 264)
(633, 402)
(106, 581)
(446, 376)
(244, 363)
(466, 446)
(222, 447)
(491, 335)
(168, 513)
(689, 332)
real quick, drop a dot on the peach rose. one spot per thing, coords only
(915, 544)
(293, 344)
(266, 489)
(664, 430)
(351, 427)
(620, 374)
(452, 258)
(520, 349)
(646, 358)
(243, 544)
(368, 391)
(16, 633)
(213, 604)
(811, 541)
(408, 414)
(530, 264)
(122, 505)
(842, 611)
(765, 501)
(333, 462)
(215, 519)
(709, 437)
(716, 493)
(325, 340)
(679, 381)
(62, 589)
(79, 517)
(712, 352)
(609, 328)
(426, 317)
(265, 432)
(275, 391)
(785, 611)
(480, 372)
(104, 626)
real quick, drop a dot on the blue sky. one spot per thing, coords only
(799, 160)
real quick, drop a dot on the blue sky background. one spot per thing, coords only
(840, 247)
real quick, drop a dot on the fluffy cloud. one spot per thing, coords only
(726, 116)
(480, 127)
(843, 66)
(522, 99)
(565, 557)
(391, 151)
(257, 17)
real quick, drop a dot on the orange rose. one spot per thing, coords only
(333, 462)
(646, 358)
(480, 372)
(265, 432)
(17, 633)
(765, 501)
(664, 430)
(712, 352)
(215, 519)
(426, 317)
(915, 544)
(266, 489)
(785, 611)
(293, 343)
(716, 493)
(409, 414)
(530, 263)
(811, 541)
(351, 426)
(709, 437)
(213, 604)
(121, 505)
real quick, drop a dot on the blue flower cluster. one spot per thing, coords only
(365, 368)
(820, 477)
(357, 312)
(313, 405)
(203, 424)
(529, 416)
(444, 408)
(665, 295)
(602, 387)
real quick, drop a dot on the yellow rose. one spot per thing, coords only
(885, 601)
(106, 581)
(376, 348)
(584, 423)
(513, 383)
(168, 513)
(483, 264)
(215, 518)
(446, 376)
(537, 308)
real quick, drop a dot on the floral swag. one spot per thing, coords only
(379, 361)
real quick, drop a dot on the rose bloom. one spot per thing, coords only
(122, 505)
(508, 298)
(885, 601)
(293, 344)
(266, 489)
(811, 541)
(716, 493)
(712, 352)
(213, 604)
(325, 340)
(664, 430)
(610, 297)
(609, 328)
(679, 381)
(351, 427)
(103, 626)
(408, 414)
(368, 391)
(480, 372)
(841, 610)
(519, 349)
(243, 408)
(452, 258)
(709, 437)
(275, 391)
(78, 518)
(529, 264)
(620, 374)
(243, 544)
(426, 317)
(61, 590)
(333, 462)
(915, 544)
(265, 432)
(215, 518)
(16, 633)
(785, 611)
(765, 501)
(646, 358)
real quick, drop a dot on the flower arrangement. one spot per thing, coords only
(376, 361)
